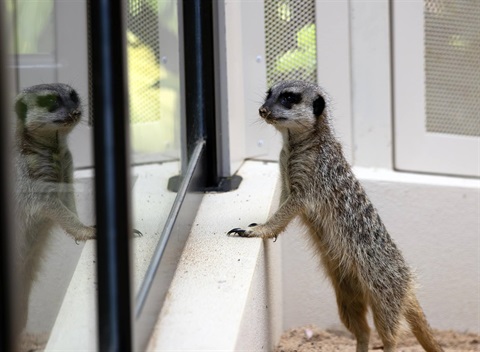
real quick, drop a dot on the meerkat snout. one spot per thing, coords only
(263, 112)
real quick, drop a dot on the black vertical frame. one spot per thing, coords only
(7, 312)
(199, 83)
(201, 88)
(112, 199)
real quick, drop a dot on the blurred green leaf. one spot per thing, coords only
(304, 56)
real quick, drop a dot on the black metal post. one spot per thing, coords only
(200, 83)
(107, 36)
(7, 314)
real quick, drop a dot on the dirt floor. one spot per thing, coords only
(311, 338)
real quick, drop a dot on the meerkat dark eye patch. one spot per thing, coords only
(21, 110)
(318, 106)
(51, 102)
(288, 99)
(74, 97)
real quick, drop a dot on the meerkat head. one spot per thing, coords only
(48, 108)
(294, 105)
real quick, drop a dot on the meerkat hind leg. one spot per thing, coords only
(387, 322)
(352, 308)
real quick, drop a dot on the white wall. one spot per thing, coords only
(436, 223)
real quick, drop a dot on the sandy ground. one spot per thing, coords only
(311, 338)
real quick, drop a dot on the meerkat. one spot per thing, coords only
(363, 263)
(46, 114)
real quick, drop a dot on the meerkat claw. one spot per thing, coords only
(274, 238)
(137, 233)
(237, 231)
(253, 224)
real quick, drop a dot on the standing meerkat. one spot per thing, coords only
(46, 114)
(364, 264)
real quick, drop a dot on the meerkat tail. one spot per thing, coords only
(419, 325)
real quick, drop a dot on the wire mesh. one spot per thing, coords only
(452, 61)
(290, 40)
(143, 52)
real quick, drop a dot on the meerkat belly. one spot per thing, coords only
(354, 246)
(334, 249)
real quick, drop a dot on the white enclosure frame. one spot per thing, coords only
(416, 149)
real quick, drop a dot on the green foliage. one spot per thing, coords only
(303, 57)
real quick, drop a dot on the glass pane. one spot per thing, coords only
(154, 88)
(59, 301)
(153, 70)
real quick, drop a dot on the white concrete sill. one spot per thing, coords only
(219, 298)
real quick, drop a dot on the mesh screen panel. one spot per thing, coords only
(144, 70)
(290, 40)
(452, 64)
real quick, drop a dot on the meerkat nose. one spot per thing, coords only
(263, 111)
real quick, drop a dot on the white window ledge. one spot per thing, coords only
(219, 298)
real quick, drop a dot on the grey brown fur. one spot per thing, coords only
(364, 264)
(46, 114)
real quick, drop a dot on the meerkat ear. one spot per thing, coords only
(318, 106)
(21, 109)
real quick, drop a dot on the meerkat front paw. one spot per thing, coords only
(136, 233)
(253, 230)
(90, 233)
(85, 233)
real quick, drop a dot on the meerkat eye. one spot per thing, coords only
(288, 99)
(51, 102)
(74, 97)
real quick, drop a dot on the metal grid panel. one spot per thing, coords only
(290, 40)
(452, 61)
(143, 52)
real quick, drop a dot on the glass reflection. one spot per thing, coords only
(54, 173)
(46, 114)
(54, 202)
